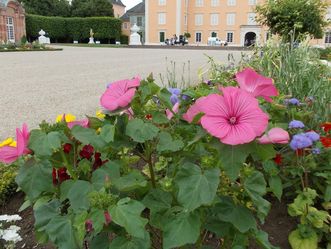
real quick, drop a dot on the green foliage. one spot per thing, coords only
(297, 17)
(91, 8)
(47, 7)
(7, 182)
(124, 39)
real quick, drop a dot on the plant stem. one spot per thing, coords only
(151, 171)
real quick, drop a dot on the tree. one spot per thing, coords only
(47, 7)
(89, 8)
(294, 17)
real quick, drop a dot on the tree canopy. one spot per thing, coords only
(88, 8)
(47, 7)
(297, 17)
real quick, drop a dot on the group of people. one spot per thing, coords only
(172, 41)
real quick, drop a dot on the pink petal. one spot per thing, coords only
(265, 91)
(175, 109)
(217, 126)
(83, 123)
(8, 154)
(22, 138)
(239, 134)
(275, 135)
(135, 82)
(130, 113)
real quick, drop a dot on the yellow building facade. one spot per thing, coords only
(232, 21)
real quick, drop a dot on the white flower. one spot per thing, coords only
(10, 218)
(11, 235)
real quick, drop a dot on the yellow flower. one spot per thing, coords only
(100, 114)
(68, 118)
(98, 130)
(8, 142)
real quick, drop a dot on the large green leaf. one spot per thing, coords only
(265, 151)
(182, 229)
(78, 195)
(88, 136)
(298, 242)
(240, 217)
(107, 133)
(98, 219)
(276, 186)
(133, 243)
(196, 188)
(126, 213)
(159, 117)
(44, 213)
(44, 144)
(35, 178)
(158, 200)
(60, 230)
(109, 171)
(133, 180)
(167, 143)
(140, 131)
(233, 157)
(100, 241)
(262, 239)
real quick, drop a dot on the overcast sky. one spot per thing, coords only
(130, 3)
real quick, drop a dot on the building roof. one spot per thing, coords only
(139, 9)
(117, 2)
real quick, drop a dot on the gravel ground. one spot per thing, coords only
(36, 86)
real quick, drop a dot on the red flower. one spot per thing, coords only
(67, 148)
(107, 218)
(89, 226)
(326, 126)
(326, 141)
(97, 161)
(149, 116)
(278, 159)
(59, 175)
(87, 152)
(54, 176)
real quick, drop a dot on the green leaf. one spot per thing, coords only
(78, 195)
(164, 96)
(196, 188)
(44, 144)
(65, 187)
(159, 118)
(327, 194)
(133, 243)
(100, 241)
(262, 239)
(133, 180)
(166, 143)
(276, 186)
(108, 133)
(298, 242)
(265, 151)
(88, 136)
(79, 227)
(35, 178)
(240, 217)
(182, 229)
(147, 89)
(60, 231)
(44, 213)
(140, 131)
(109, 170)
(233, 157)
(98, 219)
(158, 200)
(126, 213)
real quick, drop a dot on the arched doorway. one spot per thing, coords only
(250, 39)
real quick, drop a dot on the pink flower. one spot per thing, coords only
(83, 123)
(9, 154)
(119, 94)
(130, 113)
(234, 118)
(256, 84)
(175, 109)
(275, 136)
(194, 109)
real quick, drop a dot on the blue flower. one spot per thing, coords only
(174, 99)
(175, 91)
(296, 124)
(292, 101)
(313, 136)
(186, 97)
(316, 151)
(208, 82)
(300, 141)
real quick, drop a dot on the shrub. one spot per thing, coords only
(124, 39)
(7, 182)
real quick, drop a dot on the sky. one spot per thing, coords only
(130, 3)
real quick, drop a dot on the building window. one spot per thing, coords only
(185, 20)
(198, 19)
(162, 36)
(252, 2)
(162, 2)
(125, 25)
(213, 19)
(251, 19)
(199, 3)
(328, 37)
(215, 3)
(213, 34)
(229, 36)
(230, 18)
(162, 18)
(198, 37)
(140, 21)
(10, 29)
(231, 2)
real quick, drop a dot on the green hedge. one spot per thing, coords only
(74, 28)
(124, 39)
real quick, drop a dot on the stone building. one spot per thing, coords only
(12, 21)
(135, 15)
(118, 7)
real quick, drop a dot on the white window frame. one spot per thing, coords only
(252, 2)
(162, 18)
(185, 20)
(214, 19)
(196, 37)
(327, 38)
(198, 19)
(227, 36)
(232, 2)
(162, 2)
(251, 18)
(215, 3)
(10, 28)
(198, 3)
(230, 19)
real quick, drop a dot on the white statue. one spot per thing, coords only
(135, 37)
(91, 41)
(42, 39)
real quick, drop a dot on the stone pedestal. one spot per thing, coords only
(91, 41)
(135, 37)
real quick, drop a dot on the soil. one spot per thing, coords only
(278, 224)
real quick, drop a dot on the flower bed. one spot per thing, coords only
(169, 168)
(26, 47)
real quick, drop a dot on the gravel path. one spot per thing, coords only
(36, 86)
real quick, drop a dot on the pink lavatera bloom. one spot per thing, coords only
(234, 117)
(83, 123)
(256, 84)
(275, 136)
(9, 154)
(175, 109)
(195, 109)
(119, 94)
